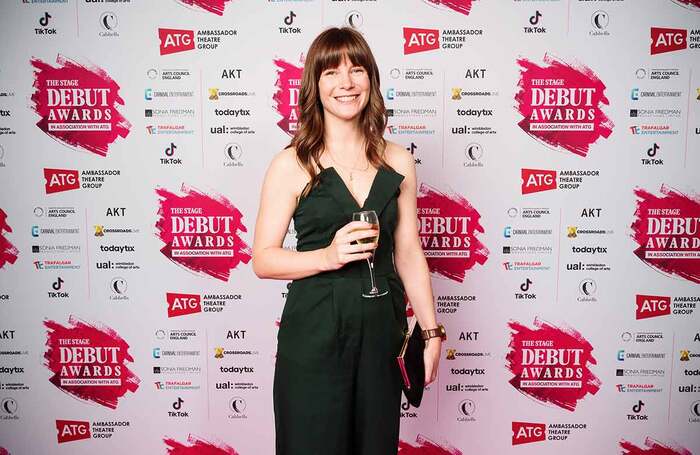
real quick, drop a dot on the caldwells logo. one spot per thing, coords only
(201, 232)
(668, 40)
(89, 362)
(77, 105)
(182, 304)
(8, 252)
(210, 6)
(420, 40)
(561, 105)
(448, 229)
(286, 97)
(650, 306)
(652, 446)
(197, 445)
(666, 229)
(551, 364)
(459, 6)
(175, 40)
(58, 180)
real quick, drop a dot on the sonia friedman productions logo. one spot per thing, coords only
(448, 228)
(666, 230)
(8, 252)
(201, 232)
(89, 361)
(561, 104)
(196, 445)
(286, 97)
(77, 105)
(551, 364)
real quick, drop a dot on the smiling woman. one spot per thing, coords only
(337, 385)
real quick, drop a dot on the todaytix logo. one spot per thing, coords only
(72, 430)
(182, 304)
(526, 432)
(536, 180)
(651, 306)
(174, 40)
(668, 40)
(420, 40)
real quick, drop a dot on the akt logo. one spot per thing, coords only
(420, 40)
(650, 306)
(668, 40)
(182, 304)
(174, 40)
(58, 180)
(536, 180)
(72, 430)
(525, 432)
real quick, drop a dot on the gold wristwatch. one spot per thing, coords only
(439, 331)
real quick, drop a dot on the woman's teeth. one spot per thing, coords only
(346, 99)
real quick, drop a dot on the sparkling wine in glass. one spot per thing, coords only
(370, 216)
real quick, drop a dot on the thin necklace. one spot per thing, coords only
(346, 167)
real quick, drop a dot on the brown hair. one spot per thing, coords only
(327, 51)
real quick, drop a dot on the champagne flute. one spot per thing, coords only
(370, 216)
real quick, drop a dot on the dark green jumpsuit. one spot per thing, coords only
(337, 387)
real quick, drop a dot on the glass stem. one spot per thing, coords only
(374, 289)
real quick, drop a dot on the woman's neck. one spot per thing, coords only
(344, 138)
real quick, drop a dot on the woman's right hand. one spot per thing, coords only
(341, 250)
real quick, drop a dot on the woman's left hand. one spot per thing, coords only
(431, 358)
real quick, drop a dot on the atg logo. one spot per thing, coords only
(420, 40)
(182, 304)
(72, 430)
(650, 306)
(58, 180)
(526, 432)
(536, 180)
(668, 40)
(175, 40)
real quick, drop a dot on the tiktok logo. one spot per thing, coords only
(535, 19)
(526, 285)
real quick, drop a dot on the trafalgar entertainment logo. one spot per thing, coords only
(652, 446)
(561, 105)
(89, 361)
(77, 105)
(196, 445)
(173, 40)
(8, 252)
(551, 364)
(673, 39)
(417, 40)
(528, 432)
(448, 228)
(210, 6)
(201, 232)
(666, 229)
(286, 97)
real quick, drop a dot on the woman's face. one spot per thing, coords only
(344, 90)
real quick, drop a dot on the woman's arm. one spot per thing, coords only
(277, 205)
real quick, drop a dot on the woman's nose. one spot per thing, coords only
(345, 79)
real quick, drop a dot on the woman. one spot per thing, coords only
(337, 387)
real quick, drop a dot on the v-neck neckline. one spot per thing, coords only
(349, 194)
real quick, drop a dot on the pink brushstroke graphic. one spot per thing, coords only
(426, 447)
(652, 447)
(561, 104)
(4, 451)
(690, 4)
(8, 252)
(211, 6)
(460, 6)
(89, 361)
(286, 95)
(666, 228)
(78, 105)
(551, 364)
(200, 232)
(197, 446)
(448, 228)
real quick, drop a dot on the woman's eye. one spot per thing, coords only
(358, 70)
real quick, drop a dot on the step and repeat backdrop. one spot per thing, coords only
(557, 145)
